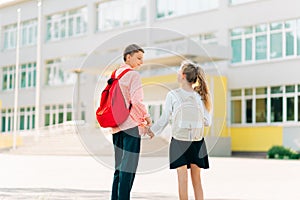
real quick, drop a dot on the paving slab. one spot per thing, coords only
(84, 177)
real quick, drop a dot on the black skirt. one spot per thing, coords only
(187, 153)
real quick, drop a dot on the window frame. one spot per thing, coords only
(268, 96)
(54, 25)
(10, 34)
(27, 113)
(53, 67)
(293, 30)
(112, 7)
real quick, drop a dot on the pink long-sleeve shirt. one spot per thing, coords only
(131, 87)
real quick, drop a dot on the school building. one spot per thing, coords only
(250, 50)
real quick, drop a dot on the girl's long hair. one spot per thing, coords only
(195, 75)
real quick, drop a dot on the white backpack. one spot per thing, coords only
(188, 118)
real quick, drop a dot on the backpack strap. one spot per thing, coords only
(113, 75)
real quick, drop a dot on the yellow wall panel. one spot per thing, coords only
(6, 141)
(255, 138)
(218, 90)
(172, 78)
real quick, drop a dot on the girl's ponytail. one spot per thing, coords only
(195, 75)
(202, 88)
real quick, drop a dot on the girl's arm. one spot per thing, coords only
(207, 116)
(163, 121)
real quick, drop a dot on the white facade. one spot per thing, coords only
(72, 29)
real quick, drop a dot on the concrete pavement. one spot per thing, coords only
(83, 177)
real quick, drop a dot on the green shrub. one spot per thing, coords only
(280, 152)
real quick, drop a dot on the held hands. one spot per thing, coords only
(148, 130)
(149, 121)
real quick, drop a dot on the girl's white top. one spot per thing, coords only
(172, 103)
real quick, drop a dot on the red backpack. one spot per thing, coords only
(112, 110)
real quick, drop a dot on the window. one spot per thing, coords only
(26, 117)
(57, 114)
(60, 114)
(276, 90)
(290, 109)
(276, 40)
(10, 120)
(261, 91)
(56, 76)
(298, 37)
(249, 111)
(261, 110)
(54, 114)
(236, 50)
(248, 92)
(68, 24)
(83, 108)
(10, 36)
(290, 102)
(266, 41)
(261, 104)
(3, 121)
(22, 119)
(114, 14)
(265, 104)
(248, 49)
(290, 88)
(249, 105)
(299, 108)
(7, 120)
(8, 81)
(167, 8)
(236, 93)
(27, 74)
(261, 42)
(290, 37)
(236, 106)
(47, 116)
(276, 109)
(28, 34)
(236, 111)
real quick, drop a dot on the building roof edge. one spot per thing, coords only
(12, 3)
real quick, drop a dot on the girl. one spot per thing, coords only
(187, 152)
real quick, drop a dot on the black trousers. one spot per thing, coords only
(127, 150)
